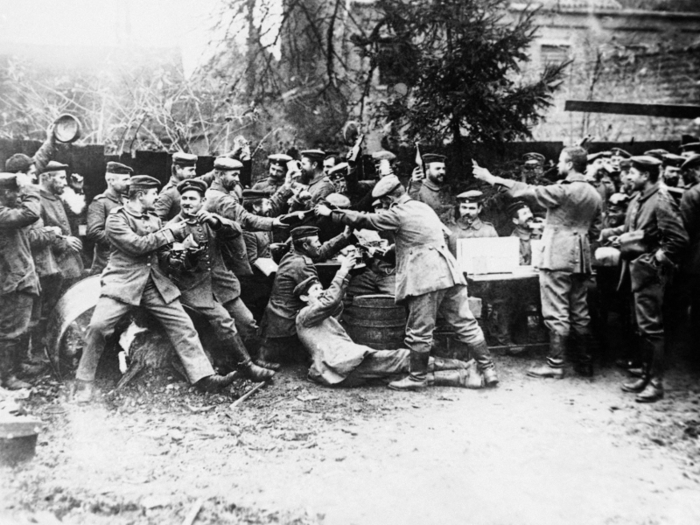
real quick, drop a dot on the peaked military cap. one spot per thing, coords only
(671, 159)
(691, 162)
(197, 185)
(338, 170)
(303, 287)
(693, 147)
(338, 200)
(621, 153)
(227, 164)
(314, 154)
(656, 153)
(534, 158)
(385, 186)
(625, 164)
(144, 182)
(516, 206)
(471, 196)
(304, 231)
(251, 195)
(18, 162)
(8, 181)
(433, 157)
(279, 158)
(598, 155)
(645, 162)
(54, 166)
(383, 154)
(118, 169)
(184, 159)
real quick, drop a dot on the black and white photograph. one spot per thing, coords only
(350, 262)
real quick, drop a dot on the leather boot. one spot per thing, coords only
(638, 385)
(215, 382)
(10, 364)
(255, 343)
(437, 364)
(463, 378)
(652, 392)
(83, 391)
(481, 354)
(584, 345)
(250, 369)
(554, 367)
(418, 378)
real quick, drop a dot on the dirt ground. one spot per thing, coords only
(529, 452)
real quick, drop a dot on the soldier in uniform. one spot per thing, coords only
(574, 218)
(526, 228)
(329, 163)
(32, 166)
(133, 277)
(652, 259)
(533, 168)
(312, 171)
(207, 284)
(337, 361)
(427, 279)
(296, 266)
(276, 174)
(618, 155)
(19, 284)
(117, 176)
(430, 187)
(183, 167)
(223, 200)
(466, 223)
(690, 211)
(68, 251)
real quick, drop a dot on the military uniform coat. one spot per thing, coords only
(319, 189)
(476, 230)
(210, 279)
(655, 213)
(168, 202)
(439, 198)
(573, 221)
(97, 214)
(54, 214)
(690, 212)
(136, 240)
(423, 262)
(17, 272)
(226, 204)
(41, 241)
(269, 185)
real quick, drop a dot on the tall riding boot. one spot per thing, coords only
(417, 379)
(637, 385)
(480, 352)
(584, 345)
(464, 378)
(250, 369)
(655, 388)
(255, 345)
(437, 364)
(554, 367)
(13, 358)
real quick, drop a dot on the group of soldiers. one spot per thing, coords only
(205, 243)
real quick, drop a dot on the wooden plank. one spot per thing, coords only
(625, 108)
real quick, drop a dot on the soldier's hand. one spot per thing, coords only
(277, 223)
(322, 210)
(53, 229)
(482, 174)
(348, 262)
(417, 174)
(203, 216)
(177, 229)
(49, 132)
(74, 244)
(661, 258)
(347, 232)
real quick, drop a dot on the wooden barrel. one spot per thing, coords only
(376, 321)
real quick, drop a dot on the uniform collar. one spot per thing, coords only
(401, 200)
(47, 194)
(318, 179)
(111, 194)
(644, 195)
(131, 212)
(216, 185)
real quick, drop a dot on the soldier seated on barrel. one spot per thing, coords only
(338, 361)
